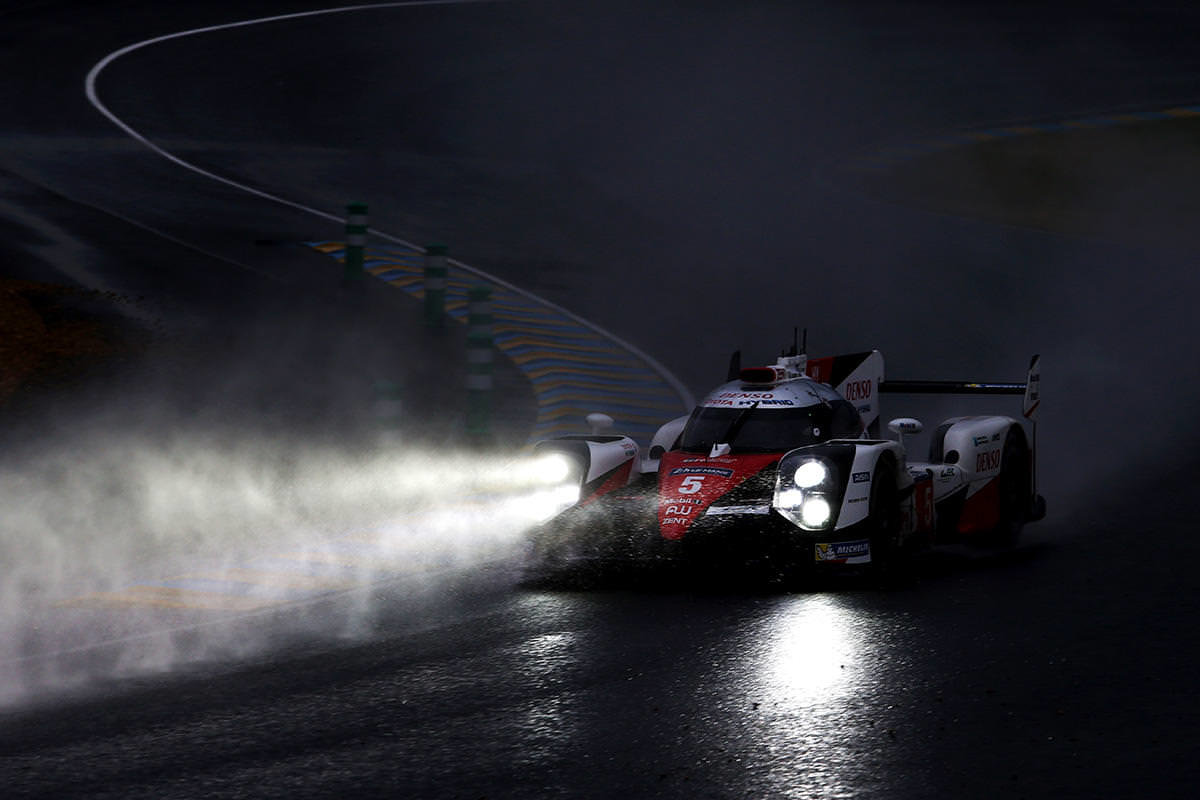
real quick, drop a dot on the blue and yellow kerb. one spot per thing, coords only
(574, 371)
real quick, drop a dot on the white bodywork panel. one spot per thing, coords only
(856, 505)
(604, 457)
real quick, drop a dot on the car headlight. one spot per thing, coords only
(789, 498)
(806, 491)
(552, 468)
(810, 473)
(551, 483)
(815, 512)
(542, 504)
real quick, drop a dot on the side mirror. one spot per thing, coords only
(599, 423)
(903, 425)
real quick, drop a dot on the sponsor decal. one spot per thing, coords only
(980, 440)
(858, 390)
(724, 473)
(923, 502)
(747, 395)
(688, 486)
(743, 399)
(987, 461)
(858, 499)
(717, 511)
(1033, 389)
(861, 477)
(855, 552)
(864, 409)
(995, 437)
(948, 472)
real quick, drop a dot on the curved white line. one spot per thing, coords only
(90, 90)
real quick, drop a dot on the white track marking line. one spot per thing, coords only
(685, 396)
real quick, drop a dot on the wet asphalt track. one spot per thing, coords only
(1063, 669)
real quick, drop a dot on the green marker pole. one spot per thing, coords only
(479, 363)
(356, 242)
(389, 410)
(435, 285)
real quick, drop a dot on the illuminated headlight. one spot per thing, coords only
(815, 512)
(550, 483)
(806, 491)
(541, 505)
(811, 473)
(790, 498)
(552, 468)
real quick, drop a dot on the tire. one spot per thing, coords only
(885, 518)
(1013, 495)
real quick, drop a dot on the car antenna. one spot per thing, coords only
(799, 346)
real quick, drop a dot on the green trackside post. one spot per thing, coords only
(479, 363)
(356, 242)
(389, 410)
(435, 285)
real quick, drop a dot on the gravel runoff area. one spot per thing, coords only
(53, 335)
(1130, 180)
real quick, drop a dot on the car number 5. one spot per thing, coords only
(691, 484)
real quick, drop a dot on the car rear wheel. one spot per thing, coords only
(885, 517)
(1013, 490)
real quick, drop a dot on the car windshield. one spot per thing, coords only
(756, 430)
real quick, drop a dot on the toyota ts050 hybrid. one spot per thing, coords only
(784, 467)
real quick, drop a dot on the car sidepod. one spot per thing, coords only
(982, 468)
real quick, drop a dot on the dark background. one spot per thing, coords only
(679, 174)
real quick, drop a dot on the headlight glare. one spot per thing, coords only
(810, 473)
(815, 512)
(552, 468)
(790, 498)
(806, 491)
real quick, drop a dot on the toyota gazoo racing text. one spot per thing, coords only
(783, 466)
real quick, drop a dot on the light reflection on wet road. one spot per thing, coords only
(979, 677)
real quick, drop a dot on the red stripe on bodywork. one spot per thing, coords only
(689, 483)
(615, 480)
(981, 511)
(923, 505)
(820, 369)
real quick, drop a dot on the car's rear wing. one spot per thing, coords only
(1031, 388)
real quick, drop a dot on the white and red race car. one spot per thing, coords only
(783, 466)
